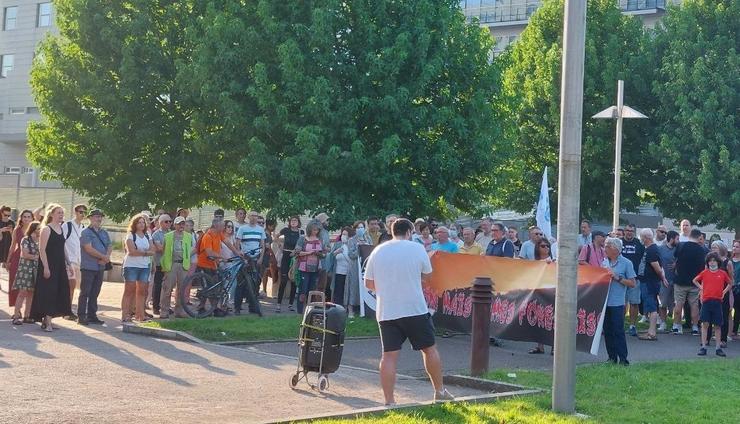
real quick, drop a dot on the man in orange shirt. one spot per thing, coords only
(209, 247)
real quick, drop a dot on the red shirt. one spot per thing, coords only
(713, 283)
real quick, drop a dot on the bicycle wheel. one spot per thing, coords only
(197, 297)
(249, 282)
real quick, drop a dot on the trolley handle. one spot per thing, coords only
(313, 294)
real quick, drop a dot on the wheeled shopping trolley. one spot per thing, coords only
(320, 341)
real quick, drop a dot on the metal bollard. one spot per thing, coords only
(482, 294)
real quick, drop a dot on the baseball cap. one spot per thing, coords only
(179, 220)
(95, 212)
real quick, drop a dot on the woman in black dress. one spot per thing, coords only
(51, 297)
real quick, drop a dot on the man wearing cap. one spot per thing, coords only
(175, 264)
(165, 222)
(95, 254)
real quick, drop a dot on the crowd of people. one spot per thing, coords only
(656, 273)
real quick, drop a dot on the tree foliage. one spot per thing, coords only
(698, 90)
(116, 123)
(530, 105)
(355, 107)
(351, 107)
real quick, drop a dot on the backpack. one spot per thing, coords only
(69, 230)
(588, 253)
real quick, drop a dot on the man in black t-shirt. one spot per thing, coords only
(633, 250)
(689, 263)
(651, 277)
(6, 234)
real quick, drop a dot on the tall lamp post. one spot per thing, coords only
(618, 112)
(569, 198)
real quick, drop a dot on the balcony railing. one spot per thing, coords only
(511, 11)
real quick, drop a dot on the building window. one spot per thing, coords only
(27, 170)
(6, 65)
(13, 170)
(10, 17)
(32, 110)
(44, 15)
(17, 110)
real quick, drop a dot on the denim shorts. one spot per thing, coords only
(136, 274)
(633, 294)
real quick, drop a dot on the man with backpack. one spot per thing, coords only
(593, 253)
(72, 231)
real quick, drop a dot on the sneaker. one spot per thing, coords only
(695, 331)
(660, 321)
(643, 320)
(444, 395)
(661, 327)
(624, 362)
(633, 331)
(677, 330)
(96, 321)
(291, 308)
(720, 352)
(277, 309)
(72, 317)
(703, 351)
(83, 321)
(263, 294)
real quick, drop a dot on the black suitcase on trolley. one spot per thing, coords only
(312, 338)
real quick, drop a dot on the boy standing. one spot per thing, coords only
(715, 283)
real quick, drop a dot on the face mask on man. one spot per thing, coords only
(344, 239)
(713, 266)
(360, 231)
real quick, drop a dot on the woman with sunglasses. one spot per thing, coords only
(542, 252)
(15, 251)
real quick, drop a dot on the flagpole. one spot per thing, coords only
(569, 194)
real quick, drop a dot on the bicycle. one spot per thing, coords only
(202, 293)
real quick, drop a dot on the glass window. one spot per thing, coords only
(17, 110)
(10, 17)
(44, 15)
(6, 64)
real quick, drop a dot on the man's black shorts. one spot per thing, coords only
(418, 329)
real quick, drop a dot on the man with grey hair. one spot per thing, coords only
(651, 276)
(528, 247)
(386, 234)
(622, 276)
(485, 236)
(165, 222)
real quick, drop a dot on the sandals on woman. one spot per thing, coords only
(16, 320)
(536, 350)
(28, 320)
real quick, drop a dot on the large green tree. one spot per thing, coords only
(698, 88)
(530, 106)
(116, 121)
(356, 108)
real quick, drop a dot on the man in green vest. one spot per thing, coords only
(178, 247)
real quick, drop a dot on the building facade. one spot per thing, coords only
(506, 19)
(24, 24)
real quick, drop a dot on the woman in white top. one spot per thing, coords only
(136, 267)
(340, 250)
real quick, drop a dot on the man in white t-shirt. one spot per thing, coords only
(395, 270)
(72, 230)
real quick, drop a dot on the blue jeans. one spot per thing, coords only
(616, 342)
(308, 283)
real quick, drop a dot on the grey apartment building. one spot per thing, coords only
(26, 22)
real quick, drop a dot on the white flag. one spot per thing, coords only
(543, 208)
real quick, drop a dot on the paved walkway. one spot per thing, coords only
(75, 373)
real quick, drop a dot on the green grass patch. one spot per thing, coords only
(661, 392)
(250, 327)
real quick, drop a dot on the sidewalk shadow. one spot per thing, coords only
(114, 354)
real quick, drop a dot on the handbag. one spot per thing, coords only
(108, 265)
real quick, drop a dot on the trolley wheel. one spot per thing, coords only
(323, 383)
(294, 379)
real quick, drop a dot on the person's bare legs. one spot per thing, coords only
(388, 364)
(695, 313)
(129, 292)
(634, 312)
(704, 330)
(433, 365)
(677, 312)
(18, 302)
(652, 330)
(142, 289)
